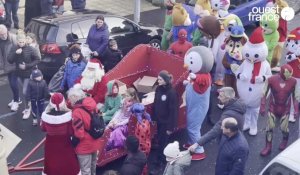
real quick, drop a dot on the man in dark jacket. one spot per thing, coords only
(32, 9)
(135, 160)
(232, 107)
(233, 150)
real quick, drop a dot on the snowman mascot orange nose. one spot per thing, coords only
(199, 61)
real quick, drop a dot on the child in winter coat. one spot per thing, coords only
(176, 161)
(74, 68)
(112, 55)
(112, 101)
(37, 92)
(119, 122)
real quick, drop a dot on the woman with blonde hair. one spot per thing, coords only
(57, 123)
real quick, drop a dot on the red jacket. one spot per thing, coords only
(99, 91)
(81, 122)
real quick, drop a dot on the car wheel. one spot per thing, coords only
(155, 43)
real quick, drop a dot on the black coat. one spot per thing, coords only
(234, 108)
(134, 164)
(233, 154)
(29, 56)
(32, 9)
(111, 58)
(37, 90)
(165, 108)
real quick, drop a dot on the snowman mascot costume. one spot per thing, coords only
(251, 76)
(199, 61)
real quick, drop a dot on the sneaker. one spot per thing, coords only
(198, 156)
(292, 118)
(26, 114)
(10, 103)
(14, 106)
(34, 122)
(186, 145)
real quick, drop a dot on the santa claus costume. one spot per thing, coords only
(251, 77)
(93, 81)
(293, 59)
(57, 123)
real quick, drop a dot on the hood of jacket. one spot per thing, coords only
(235, 105)
(110, 87)
(88, 103)
(184, 159)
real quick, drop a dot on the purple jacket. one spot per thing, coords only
(98, 38)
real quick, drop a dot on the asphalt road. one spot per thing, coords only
(32, 135)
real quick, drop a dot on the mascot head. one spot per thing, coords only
(221, 6)
(286, 71)
(210, 26)
(138, 110)
(269, 22)
(92, 74)
(293, 44)
(180, 17)
(235, 42)
(202, 8)
(256, 49)
(229, 21)
(199, 59)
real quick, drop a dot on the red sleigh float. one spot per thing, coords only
(140, 61)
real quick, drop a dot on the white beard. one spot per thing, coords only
(88, 80)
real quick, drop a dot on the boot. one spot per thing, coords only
(283, 143)
(267, 150)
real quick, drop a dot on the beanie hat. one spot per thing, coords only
(57, 101)
(165, 76)
(36, 73)
(172, 150)
(257, 36)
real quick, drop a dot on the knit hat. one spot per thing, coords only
(172, 151)
(57, 101)
(36, 73)
(165, 76)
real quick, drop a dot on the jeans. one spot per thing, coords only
(11, 12)
(23, 83)
(13, 83)
(87, 163)
(37, 107)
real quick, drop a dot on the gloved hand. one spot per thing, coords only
(260, 79)
(192, 76)
(234, 67)
(242, 77)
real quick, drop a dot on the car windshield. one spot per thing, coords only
(45, 33)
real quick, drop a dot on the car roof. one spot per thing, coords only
(70, 16)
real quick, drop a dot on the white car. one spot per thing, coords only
(285, 163)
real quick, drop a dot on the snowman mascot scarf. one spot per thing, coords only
(199, 61)
(251, 77)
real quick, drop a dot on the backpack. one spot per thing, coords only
(97, 125)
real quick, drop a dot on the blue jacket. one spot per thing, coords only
(233, 154)
(231, 60)
(97, 39)
(72, 73)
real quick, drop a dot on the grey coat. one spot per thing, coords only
(177, 167)
(234, 108)
(5, 47)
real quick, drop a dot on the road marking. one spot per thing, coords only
(7, 115)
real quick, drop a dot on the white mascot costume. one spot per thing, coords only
(251, 77)
(199, 61)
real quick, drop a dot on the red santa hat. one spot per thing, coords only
(256, 37)
(57, 101)
(94, 63)
(295, 34)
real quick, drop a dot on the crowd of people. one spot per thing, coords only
(242, 70)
